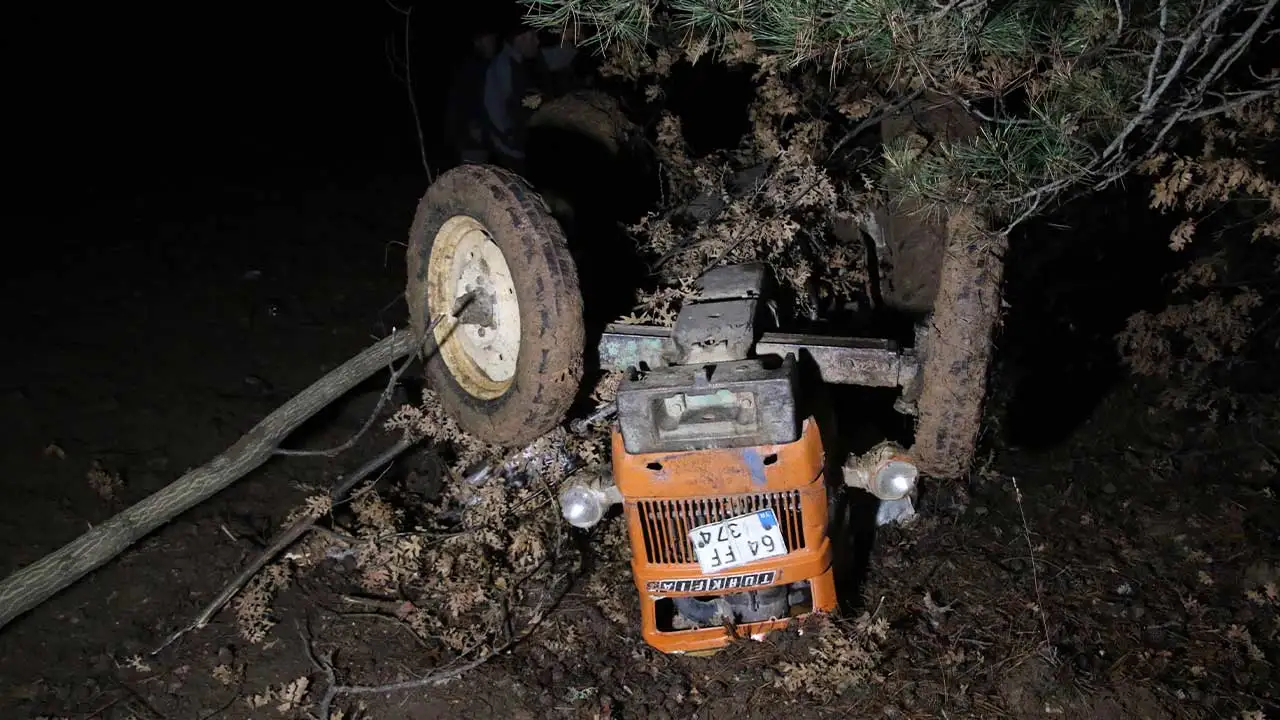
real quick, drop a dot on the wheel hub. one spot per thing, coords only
(475, 307)
(479, 337)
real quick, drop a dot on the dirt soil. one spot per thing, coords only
(1129, 572)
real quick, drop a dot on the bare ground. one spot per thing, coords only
(1129, 572)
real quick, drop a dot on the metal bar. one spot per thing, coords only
(839, 360)
(840, 363)
(623, 347)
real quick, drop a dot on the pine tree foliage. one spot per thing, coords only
(1070, 95)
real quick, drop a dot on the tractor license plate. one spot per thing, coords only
(737, 541)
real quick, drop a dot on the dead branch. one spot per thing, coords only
(324, 663)
(377, 410)
(285, 538)
(37, 582)
(1235, 103)
(408, 83)
(1171, 96)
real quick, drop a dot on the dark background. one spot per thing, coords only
(206, 206)
(110, 97)
(206, 209)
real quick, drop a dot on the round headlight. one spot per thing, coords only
(581, 506)
(895, 480)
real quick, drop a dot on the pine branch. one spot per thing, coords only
(1100, 84)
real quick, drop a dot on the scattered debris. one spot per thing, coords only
(105, 483)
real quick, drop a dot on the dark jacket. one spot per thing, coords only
(509, 80)
(465, 124)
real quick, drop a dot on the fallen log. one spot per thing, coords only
(37, 582)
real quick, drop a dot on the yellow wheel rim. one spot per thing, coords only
(481, 354)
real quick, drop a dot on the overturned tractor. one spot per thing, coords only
(724, 454)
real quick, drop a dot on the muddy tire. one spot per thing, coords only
(955, 344)
(583, 152)
(944, 270)
(589, 114)
(946, 276)
(508, 374)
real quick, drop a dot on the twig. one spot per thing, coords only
(392, 607)
(408, 84)
(1154, 66)
(438, 677)
(368, 423)
(1228, 58)
(1151, 99)
(325, 665)
(1035, 574)
(871, 121)
(1158, 107)
(1235, 103)
(387, 393)
(413, 100)
(1039, 197)
(284, 539)
(345, 485)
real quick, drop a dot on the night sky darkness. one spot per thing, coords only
(114, 96)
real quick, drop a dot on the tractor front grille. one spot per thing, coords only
(666, 523)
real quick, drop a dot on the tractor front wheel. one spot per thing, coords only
(487, 257)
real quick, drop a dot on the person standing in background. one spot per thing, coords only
(465, 124)
(508, 86)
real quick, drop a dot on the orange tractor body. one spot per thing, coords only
(722, 477)
(669, 494)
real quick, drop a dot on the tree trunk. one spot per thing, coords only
(37, 582)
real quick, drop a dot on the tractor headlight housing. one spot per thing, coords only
(894, 480)
(583, 504)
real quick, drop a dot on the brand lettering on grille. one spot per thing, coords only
(712, 584)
